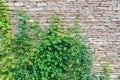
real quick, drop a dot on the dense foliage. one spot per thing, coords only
(6, 36)
(22, 47)
(61, 54)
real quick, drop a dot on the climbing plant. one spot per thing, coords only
(54, 54)
(22, 47)
(106, 71)
(26, 43)
(58, 53)
(6, 36)
(62, 54)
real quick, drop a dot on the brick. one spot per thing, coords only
(19, 4)
(36, 9)
(70, 0)
(41, 4)
(36, 0)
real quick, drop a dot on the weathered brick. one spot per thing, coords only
(36, 0)
(19, 4)
(41, 4)
(70, 0)
(36, 9)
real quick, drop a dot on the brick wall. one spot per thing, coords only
(100, 21)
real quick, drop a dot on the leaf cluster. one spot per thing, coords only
(6, 36)
(58, 55)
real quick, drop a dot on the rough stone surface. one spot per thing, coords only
(18, 3)
(100, 21)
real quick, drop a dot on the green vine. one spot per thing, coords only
(22, 47)
(106, 71)
(118, 78)
(59, 53)
(62, 56)
(25, 44)
(6, 36)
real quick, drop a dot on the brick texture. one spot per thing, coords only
(100, 22)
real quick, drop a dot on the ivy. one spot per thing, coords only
(58, 55)
(55, 54)
(22, 47)
(6, 36)
(62, 56)
(26, 42)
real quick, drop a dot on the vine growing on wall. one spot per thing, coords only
(6, 36)
(22, 47)
(26, 42)
(59, 53)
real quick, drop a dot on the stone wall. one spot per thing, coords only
(100, 22)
